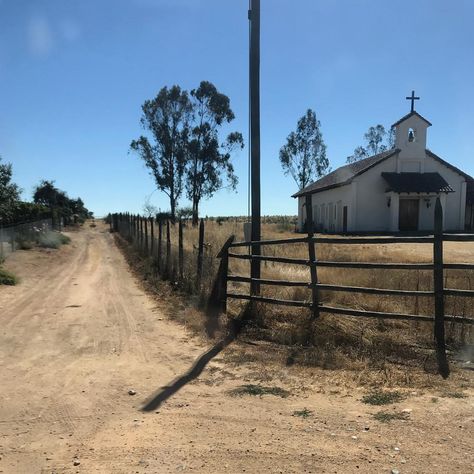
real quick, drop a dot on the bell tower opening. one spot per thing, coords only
(410, 131)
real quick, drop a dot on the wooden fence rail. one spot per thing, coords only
(141, 232)
(437, 267)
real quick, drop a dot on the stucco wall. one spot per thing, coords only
(455, 208)
(327, 209)
(366, 200)
(373, 214)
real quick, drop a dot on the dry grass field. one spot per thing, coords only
(340, 341)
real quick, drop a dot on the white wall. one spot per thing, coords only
(416, 148)
(373, 214)
(455, 207)
(328, 208)
(366, 200)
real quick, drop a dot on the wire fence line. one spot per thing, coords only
(17, 236)
(191, 267)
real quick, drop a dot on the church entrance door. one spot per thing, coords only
(409, 212)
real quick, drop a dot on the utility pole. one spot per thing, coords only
(254, 82)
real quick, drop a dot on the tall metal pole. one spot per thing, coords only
(254, 79)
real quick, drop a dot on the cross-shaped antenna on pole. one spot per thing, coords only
(412, 98)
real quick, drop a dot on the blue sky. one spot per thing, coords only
(73, 75)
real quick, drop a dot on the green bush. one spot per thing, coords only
(7, 278)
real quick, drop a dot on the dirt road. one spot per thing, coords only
(78, 333)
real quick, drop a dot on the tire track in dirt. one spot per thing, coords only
(49, 290)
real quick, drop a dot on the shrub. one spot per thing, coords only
(382, 398)
(7, 278)
(23, 243)
(53, 240)
(259, 390)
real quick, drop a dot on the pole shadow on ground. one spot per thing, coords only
(200, 364)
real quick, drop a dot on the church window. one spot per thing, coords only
(411, 135)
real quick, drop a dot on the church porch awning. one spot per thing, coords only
(416, 183)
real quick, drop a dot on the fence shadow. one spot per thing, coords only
(233, 330)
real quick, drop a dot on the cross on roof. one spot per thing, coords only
(412, 98)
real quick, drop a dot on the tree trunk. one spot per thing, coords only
(195, 212)
(173, 207)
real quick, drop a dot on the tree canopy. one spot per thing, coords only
(9, 192)
(167, 119)
(209, 157)
(377, 140)
(183, 149)
(47, 194)
(304, 154)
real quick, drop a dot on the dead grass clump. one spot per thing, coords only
(304, 413)
(379, 397)
(386, 417)
(258, 390)
(454, 395)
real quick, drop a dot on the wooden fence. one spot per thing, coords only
(437, 266)
(152, 238)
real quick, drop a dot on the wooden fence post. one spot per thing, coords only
(200, 258)
(223, 272)
(141, 233)
(152, 236)
(180, 251)
(312, 257)
(137, 230)
(168, 248)
(439, 332)
(160, 244)
(146, 235)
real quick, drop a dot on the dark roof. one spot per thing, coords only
(416, 183)
(408, 116)
(449, 165)
(344, 174)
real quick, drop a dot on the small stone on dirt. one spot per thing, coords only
(76, 462)
(395, 471)
(132, 392)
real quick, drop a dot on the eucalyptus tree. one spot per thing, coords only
(377, 140)
(209, 164)
(165, 152)
(304, 154)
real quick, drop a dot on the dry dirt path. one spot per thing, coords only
(78, 333)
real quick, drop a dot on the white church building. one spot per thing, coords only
(394, 191)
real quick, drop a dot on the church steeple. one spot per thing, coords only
(410, 130)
